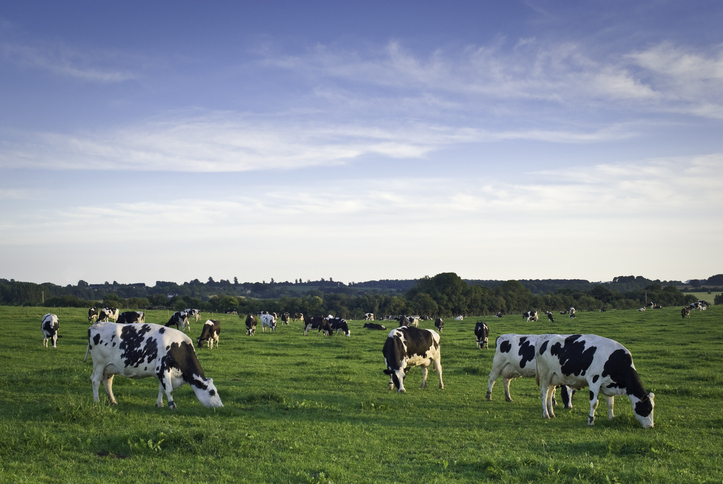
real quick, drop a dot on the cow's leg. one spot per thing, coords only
(95, 378)
(108, 384)
(159, 402)
(424, 376)
(166, 385)
(438, 368)
(610, 401)
(506, 386)
(593, 405)
(485, 343)
(546, 390)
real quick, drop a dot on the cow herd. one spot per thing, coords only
(124, 344)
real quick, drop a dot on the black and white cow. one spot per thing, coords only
(180, 320)
(368, 316)
(482, 333)
(145, 350)
(268, 320)
(514, 358)
(92, 314)
(685, 313)
(408, 321)
(107, 314)
(603, 365)
(531, 316)
(374, 326)
(550, 317)
(409, 346)
(131, 317)
(49, 327)
(192, 313)
(339, 324)
(299, 316)
(250, 325)
(209, 333)
(317, 322)
(571, 313)
(439, 324)
(285, 318)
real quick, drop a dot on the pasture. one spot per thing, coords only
(314, 409)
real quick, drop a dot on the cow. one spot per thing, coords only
(482, 332)
(92, 314)
(209, 333)
(439, 324)
(317, 322)
(131, 317)
(572, 313)
(603, 365)
(299, 316)
(407, 346)
(641, 309)
(268, 320)
(530, 316)
(408, 321)
(179, 319)
(145, 350)
(108, 314)
(499, 314)
(550, 317)
(285, 318)
(459, 318)
(368, 316)
(514, 358)
(685, 313)
(374, 326)
(339, 324)
(231, 311)
(250, 325)
(49, 327)
(192, 313)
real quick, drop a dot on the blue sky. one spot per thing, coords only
(145, 141)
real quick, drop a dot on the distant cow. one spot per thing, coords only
(319, 323)
(209, 333)
(374, 326)
(285, 318)
(409, 321)
(131, 317)
(192, 313)
(439, 324)
(482, 332)
(49, 327)
(250, 325)
(531, 316)
(408, 346)
(603, 365)
(514, 358)
(179, 319)
(685, 312)
(459, 318)
(268, 320)
(107, 314)
(572, 313)
(339, 324)
(549, 317)
(92, 314)
(299, 316)
(368, 316)
(144, 350)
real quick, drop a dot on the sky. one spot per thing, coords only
(285, 140)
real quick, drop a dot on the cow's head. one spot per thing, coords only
(643, 409)
(398, 377)
(206, 392)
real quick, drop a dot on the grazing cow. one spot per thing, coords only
(368, 316)
(231, 311)
(572, 313)
(49, 326)
(651, 305)
(268, 320)
(317, 322)
(514, 358)
(685, 313)
(140, 351)
(179, 319)
(285, 318)
(407, 346)
(299, 316)
(374, 326)
(439, 324)
(549, 317)
(531, 316)
(108, 314)
(250, 325)
(92, 314)
(209, 333)
(131, 317)
(603, 365)
(192, 313)
(499, 314)
(408, 321)
(482, 332)
(339, 324)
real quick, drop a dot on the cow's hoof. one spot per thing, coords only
(489, 396)
(591, 422)
(159, 405)
(172, 405)
(507, 399)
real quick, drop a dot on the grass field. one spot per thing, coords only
(705, 296)
(314, 409)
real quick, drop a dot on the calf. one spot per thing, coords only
(514, 358)
(339, 324)
(49, 327)
(317, 322)
(131, 317)
(685, 313)
(268, 320)
(407, 346)
(108, 314)
(209, 333)
(140, 351)
(250, 325)
(374, 326)
(603, 365)
(180, 320)
(92, 314)
(482, 332)
(439, 324)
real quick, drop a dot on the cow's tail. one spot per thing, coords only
(86, 353)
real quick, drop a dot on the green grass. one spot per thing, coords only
(314, 409)
(705, 296)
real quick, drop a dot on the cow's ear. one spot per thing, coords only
(388, 371)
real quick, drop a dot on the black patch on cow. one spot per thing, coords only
(96, 338)
(595, 378)
(543, 348)
(182, 356)
(212, 392)
(505, 346)
(162, 330)
(619, 367)
(136, 347)
(526, 352)
(592, 395)
(644, 407)
(574, 358)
